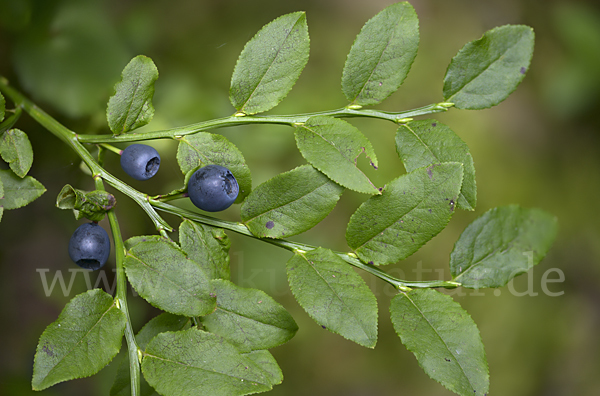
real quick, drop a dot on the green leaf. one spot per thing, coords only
(268, 364)
(2, 107)
(501, 244)
(443, 338)
(270, 64)
(163, 275)
(92, 205)
(412, 209)
(203, 148)
(421, 143)
(207, 246)
(381, 55)
(16, 150)
(290, 203)
(19, 192)
(84, 339)
(131, 105)
(159, 324)
(486, 71)
(194, 362)
(333, 146)
(334, 295)
(248, 318)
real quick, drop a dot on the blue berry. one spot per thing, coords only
(140, 161)
(213, 188)
(89, 246)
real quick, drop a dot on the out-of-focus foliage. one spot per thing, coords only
(541, 147)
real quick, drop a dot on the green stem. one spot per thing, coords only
(169, 197)
(121, 296)
(235, 120)
(350, 258)
(70, 138)
(111, 148)
(11, 120)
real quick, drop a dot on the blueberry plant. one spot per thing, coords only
(213, 337)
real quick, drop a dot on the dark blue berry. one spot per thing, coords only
(89, 246)
(213, 188)
(140, 161)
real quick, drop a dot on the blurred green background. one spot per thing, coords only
(538, 148)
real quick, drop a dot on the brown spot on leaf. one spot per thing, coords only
(270, 224)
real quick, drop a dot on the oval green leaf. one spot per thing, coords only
(412, 210)
(194, 362)
(486, 71)
(84, 339)
(157, 325)
(131, 105)
(381, 55)
(444, 339)
(334, 295)
(207, 246)
(501, 244)
(205, 148)
(333, 146)
(270, 64)
(290, 203)
(19, 192)
(249, 318)
(164, 276)
(16, 150)
(421, 143)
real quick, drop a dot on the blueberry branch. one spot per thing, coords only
(350, 258)
(148, 204)
(241, 119)
(71, 139)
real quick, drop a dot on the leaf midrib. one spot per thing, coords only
(129, 112)
(346, 159)
(442, 340)
(433, 190)
(387, 44)
(251, 95)
(460, 193)
(502, 247)
(326, 183)
(198, 296)
(77, 343)
(361, 325)
(484, 70)
(146, 355)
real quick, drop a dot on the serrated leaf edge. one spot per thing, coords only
(367, 337)
(443, 341)
(356, 250)
(449, 99)
(38, 349)
(241, 108)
